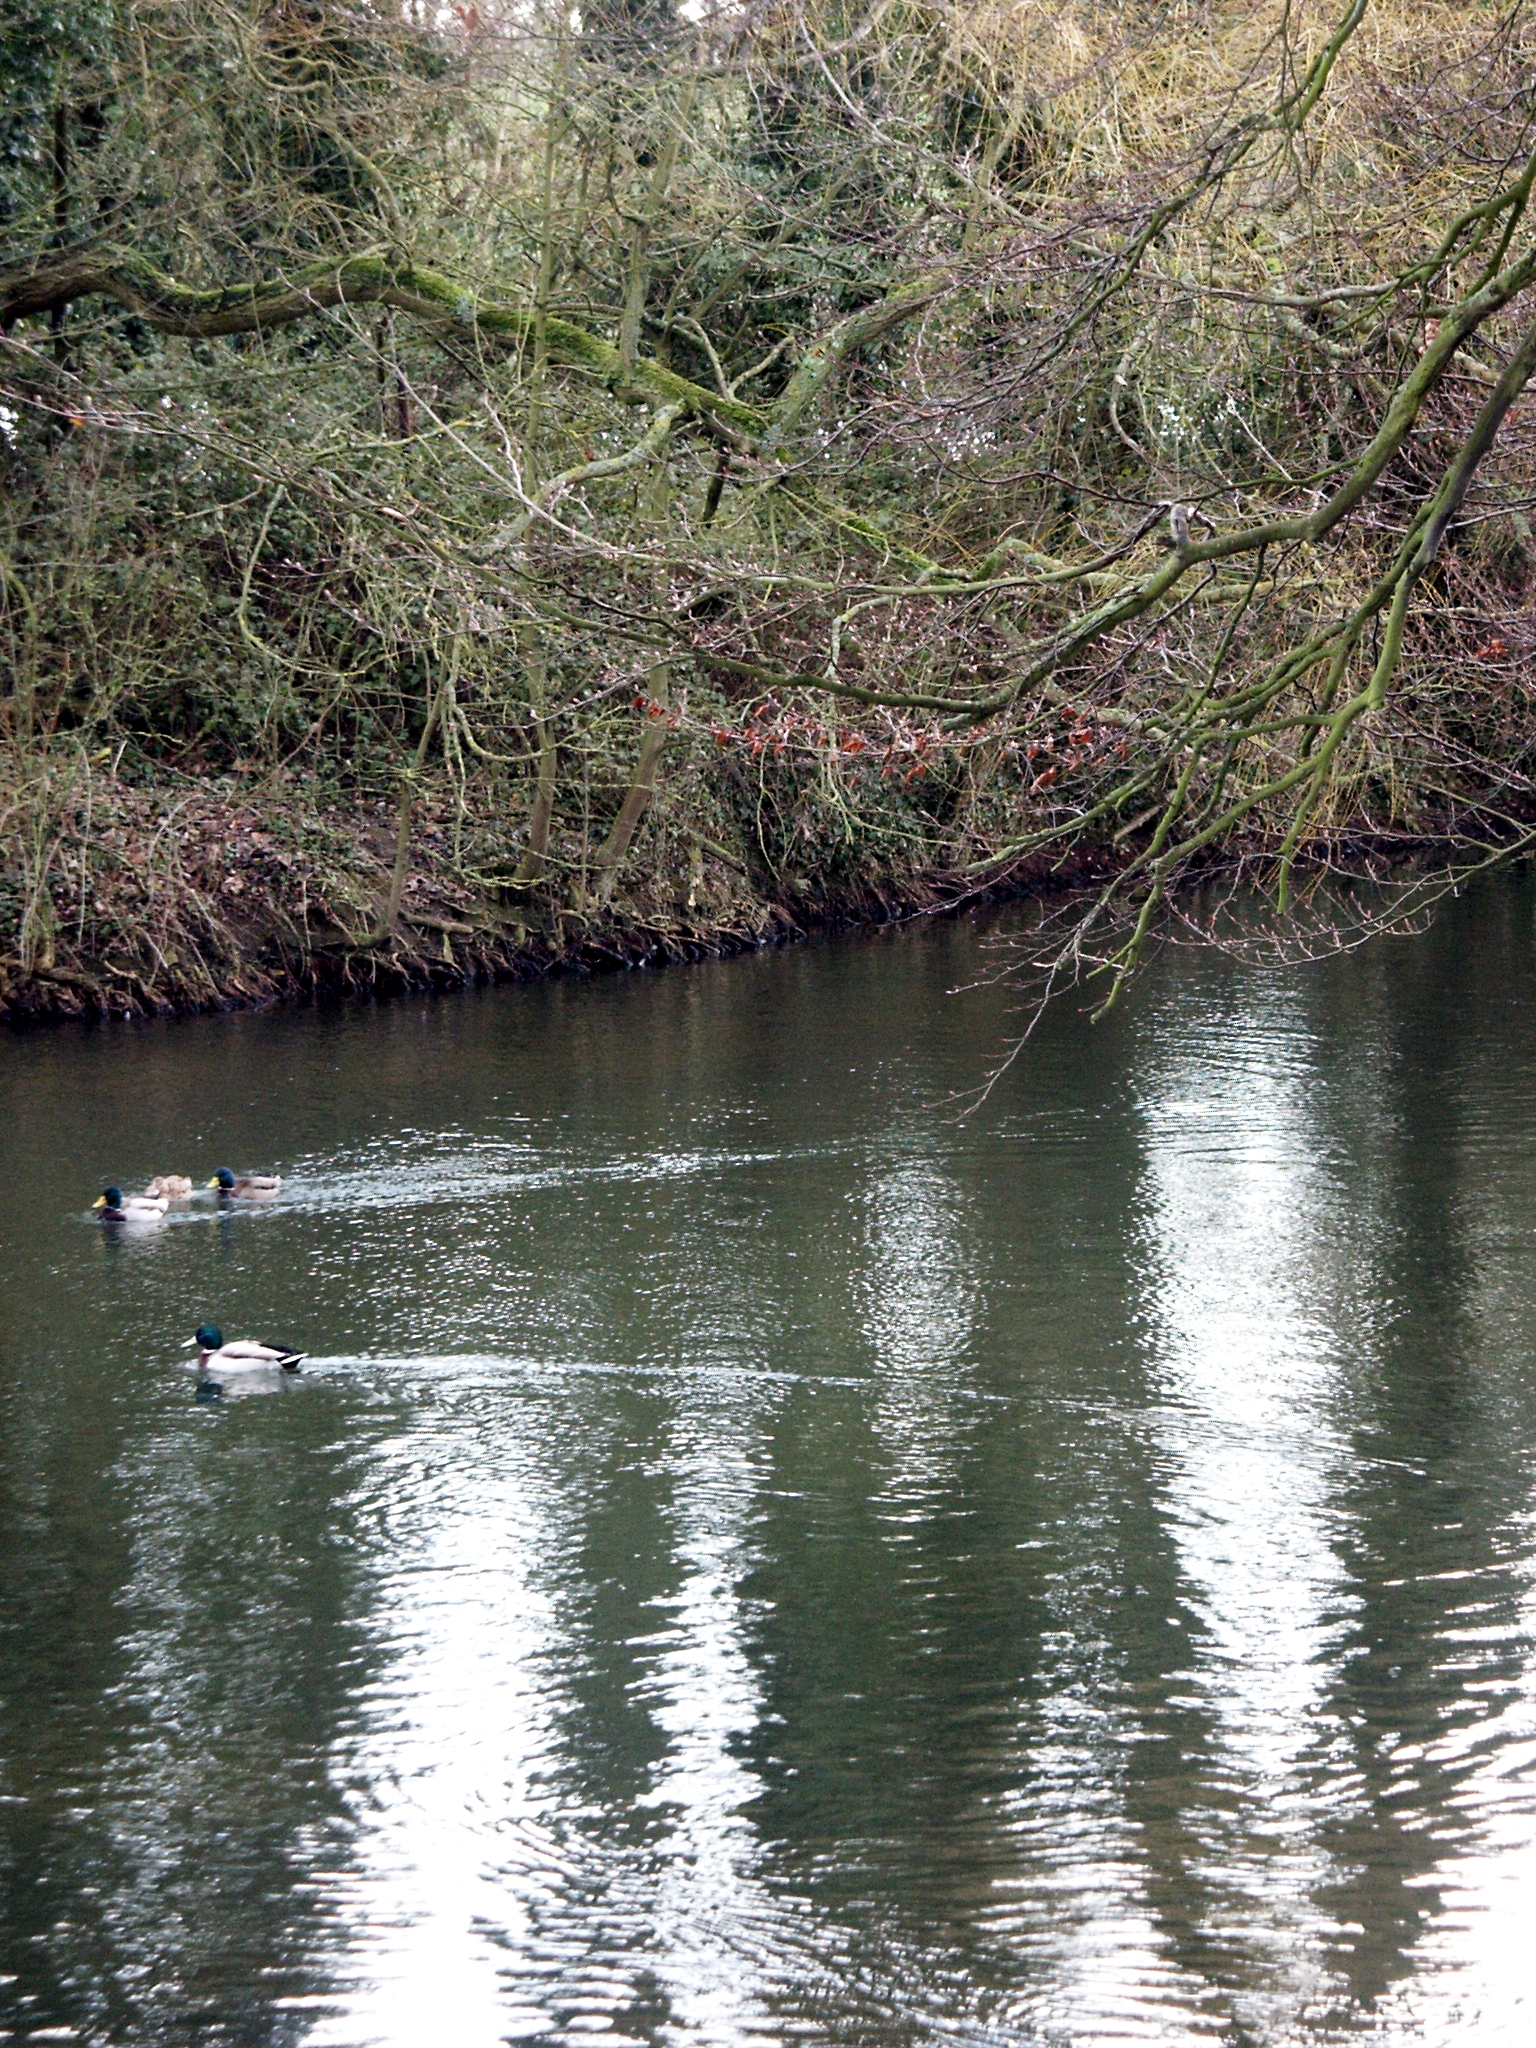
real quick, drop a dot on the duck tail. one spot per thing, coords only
(290, 1361)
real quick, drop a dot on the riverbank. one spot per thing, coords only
(217, 893)
(213, 895)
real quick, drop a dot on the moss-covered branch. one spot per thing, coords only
(371, 278)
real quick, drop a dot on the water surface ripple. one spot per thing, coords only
(756, 1559)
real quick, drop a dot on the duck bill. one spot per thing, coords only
(212, 1183)
(100, 1202)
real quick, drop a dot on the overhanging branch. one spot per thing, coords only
(371, 278)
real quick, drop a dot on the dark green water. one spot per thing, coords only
(753, 1560)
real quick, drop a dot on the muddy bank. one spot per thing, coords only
(210, 894)
(156, 901)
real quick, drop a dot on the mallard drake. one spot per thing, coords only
(243, 1355)
(251, 1185)
(174, 1186)
(113, 1206)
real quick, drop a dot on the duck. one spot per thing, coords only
(175, 1187)
(243, 1355)
(113, 1206)
(250, 1185)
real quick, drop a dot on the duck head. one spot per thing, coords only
(209, 1337)
(110, 1202)
(223, 1180)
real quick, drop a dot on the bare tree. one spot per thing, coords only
(999, 440)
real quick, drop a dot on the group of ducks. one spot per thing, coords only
(214, 1357)
(113, 1206)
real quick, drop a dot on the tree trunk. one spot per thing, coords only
(535, 853)
(641, 790)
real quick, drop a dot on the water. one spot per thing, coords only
(753, 1559)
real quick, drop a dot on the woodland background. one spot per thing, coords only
(493, 485)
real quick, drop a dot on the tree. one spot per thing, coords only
(1122, 453)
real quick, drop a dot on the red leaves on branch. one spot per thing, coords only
(899, 746)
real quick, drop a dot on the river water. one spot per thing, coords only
(753, 1558)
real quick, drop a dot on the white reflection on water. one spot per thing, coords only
(1472, 1970)
(712, 1917)
(1246, 1241)
(486, 1903)
(1079, 1902)
(1469, 1977)
(444, 1745)
(917, 1298)
(1059, 1864)
(920, 1295)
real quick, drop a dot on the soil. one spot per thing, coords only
(170, 902)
